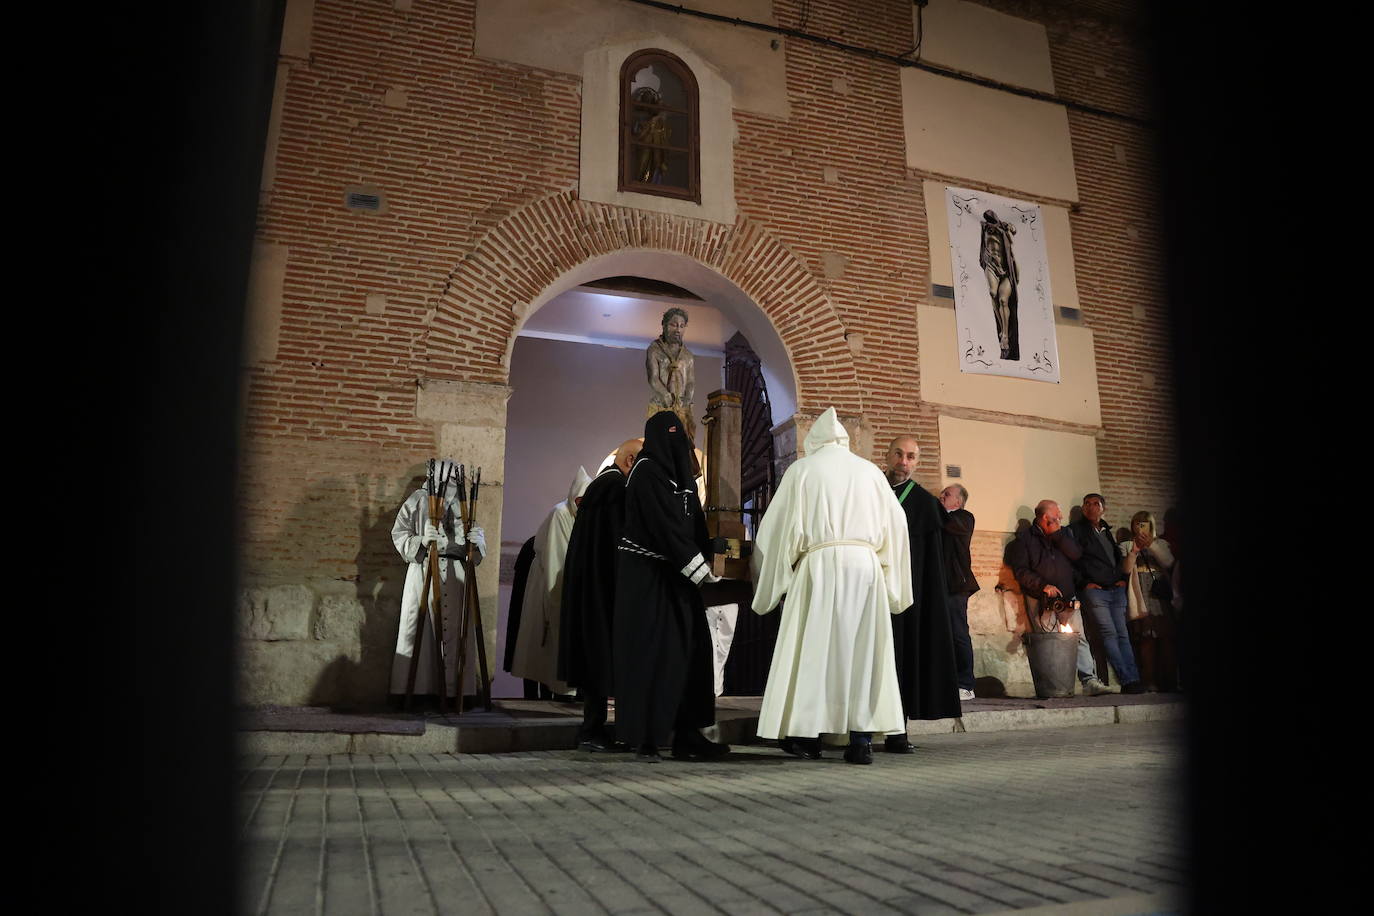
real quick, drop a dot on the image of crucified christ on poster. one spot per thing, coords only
(1002, 301)
(997, 257)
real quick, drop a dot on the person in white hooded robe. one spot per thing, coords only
(835, 542)
(536, 643)
(412, 534)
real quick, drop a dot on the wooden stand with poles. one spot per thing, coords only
(431, 602)
(472, 605)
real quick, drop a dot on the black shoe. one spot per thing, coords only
(699, 749)
(805, 748)
(859, 753)
(601, 745)
(898, 744)
(1133, 687)
(648, 753)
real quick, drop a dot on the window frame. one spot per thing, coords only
(625, 179)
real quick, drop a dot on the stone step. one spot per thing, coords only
(516, 726)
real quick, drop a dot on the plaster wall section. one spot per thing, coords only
(975, 39)
(959, 128)
(262, 316)
(1014, 467)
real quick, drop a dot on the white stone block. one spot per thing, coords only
(340, 619)
(288, 612)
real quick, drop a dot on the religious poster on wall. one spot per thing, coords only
(1002, 302)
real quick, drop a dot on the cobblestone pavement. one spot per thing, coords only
(971, 823)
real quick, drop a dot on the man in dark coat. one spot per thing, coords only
(1042, 559)
(588, 608)
(921, 636)
(523, 561)
(664, 680)
(958, 539)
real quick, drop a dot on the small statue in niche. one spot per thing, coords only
(670, 368)
(998, 261)
(651, 163)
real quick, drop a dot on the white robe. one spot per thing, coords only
(833, 668)
(405, 534)
(536, 645)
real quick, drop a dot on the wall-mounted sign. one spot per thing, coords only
(1002, 301)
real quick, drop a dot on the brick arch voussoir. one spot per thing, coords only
(482, 306)
(802, 313)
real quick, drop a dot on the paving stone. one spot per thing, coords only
(975, 822)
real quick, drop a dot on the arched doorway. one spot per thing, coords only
(578, 381)
(557, 242)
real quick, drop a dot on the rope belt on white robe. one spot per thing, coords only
(840, 543)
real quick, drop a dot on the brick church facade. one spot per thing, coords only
(437, 170)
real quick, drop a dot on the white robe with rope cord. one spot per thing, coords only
(834, 541)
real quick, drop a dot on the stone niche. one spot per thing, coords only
(321, 588)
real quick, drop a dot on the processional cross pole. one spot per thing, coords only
(472, 605)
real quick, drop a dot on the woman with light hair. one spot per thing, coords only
(1147, 561)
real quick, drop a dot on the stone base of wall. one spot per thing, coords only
(322, 582)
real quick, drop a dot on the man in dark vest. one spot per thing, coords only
(921, 636)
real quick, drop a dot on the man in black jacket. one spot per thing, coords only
(1042, 558)
(959, 580)
(1102, 586)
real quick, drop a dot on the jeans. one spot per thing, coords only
(1107, 607)
(963, 645)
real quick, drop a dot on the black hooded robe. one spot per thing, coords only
(921, 636)
(664, 678)
(523, 561)
(584, 651)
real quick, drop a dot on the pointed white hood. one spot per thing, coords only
(579, 486)
(827, 430)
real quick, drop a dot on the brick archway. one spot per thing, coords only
(525, 256)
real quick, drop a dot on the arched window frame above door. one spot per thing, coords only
(599, 153)
(632, 141)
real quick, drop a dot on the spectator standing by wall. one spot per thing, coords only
(1042, 558)
(1148, 562)
(1102, 587)
(959, 581)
